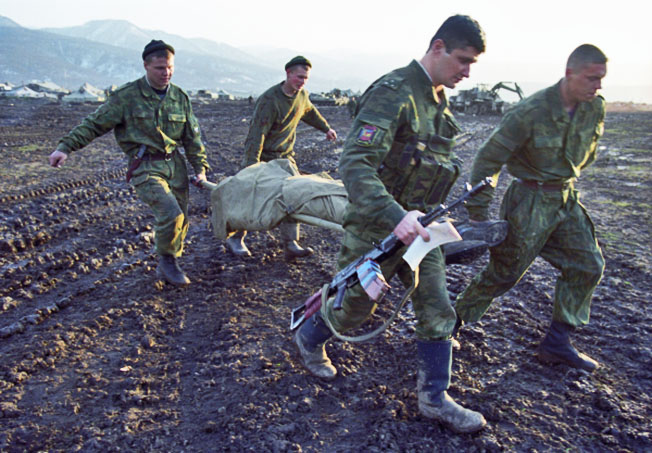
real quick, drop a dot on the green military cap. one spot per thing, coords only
(298, 60)
(155, 45)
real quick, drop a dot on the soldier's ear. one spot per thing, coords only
(438, 46)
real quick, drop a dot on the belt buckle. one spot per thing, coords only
(168, 156)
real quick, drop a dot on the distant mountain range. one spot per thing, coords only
(108, 52)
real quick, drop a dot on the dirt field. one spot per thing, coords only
(97, 355)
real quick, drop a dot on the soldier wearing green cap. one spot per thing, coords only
(398, 162)
(272, 135)
(544, 142)
(151, 118)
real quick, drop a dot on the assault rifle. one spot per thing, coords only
(350, 275)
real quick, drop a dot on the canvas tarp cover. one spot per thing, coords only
(261, 196)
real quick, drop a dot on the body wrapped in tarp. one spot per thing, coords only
(262, 195)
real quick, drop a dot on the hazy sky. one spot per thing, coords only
(526, 41)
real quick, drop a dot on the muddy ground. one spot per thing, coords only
(97, 355)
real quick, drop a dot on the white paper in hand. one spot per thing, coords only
(440, 233)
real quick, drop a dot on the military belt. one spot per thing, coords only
(159, 156)
(545, 186)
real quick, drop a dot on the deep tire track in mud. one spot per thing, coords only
(98, 355)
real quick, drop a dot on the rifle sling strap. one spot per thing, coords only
(368, 336)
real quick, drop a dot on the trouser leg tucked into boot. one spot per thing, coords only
(290, 238)
(557, 348)
(168, 269)
(311, 340)
(235, 243)
(435, 362)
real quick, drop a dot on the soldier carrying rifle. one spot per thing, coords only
(390, 185)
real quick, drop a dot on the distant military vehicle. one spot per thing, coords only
(482, 100)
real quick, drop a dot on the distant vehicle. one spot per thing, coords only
(481, 100)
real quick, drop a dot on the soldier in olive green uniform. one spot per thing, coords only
(545, 141)
(272, 134)
(151, 118)
(398, 162)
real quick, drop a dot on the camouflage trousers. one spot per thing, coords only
(432, 306)
(163, 186)
(554, 226)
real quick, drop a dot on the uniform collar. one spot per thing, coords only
(424, 70)
(557, 109)
(149, 92)
(280, 88)
(423, 79)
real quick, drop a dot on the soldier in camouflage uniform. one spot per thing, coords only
(391, 183)
(272, 135)
(151, 118)
(545, 141)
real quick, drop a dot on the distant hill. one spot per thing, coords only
(6, 22)
(70, 61)
(28, 55)
(107, 52)
(125, 34)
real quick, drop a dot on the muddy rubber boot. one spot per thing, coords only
(290, 237)
(168, 269)
(236, 245)
(435, 363)
(557, 348)
(294, 250)
(311, 340)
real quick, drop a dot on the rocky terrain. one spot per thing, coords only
(98, 355)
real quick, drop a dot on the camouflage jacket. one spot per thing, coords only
(384, 176)
(538, 140)
(138, 116)
(273, 129)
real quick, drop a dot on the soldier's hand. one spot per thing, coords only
(198, 179)
(331, 135)
(57, 158)
(409, 228)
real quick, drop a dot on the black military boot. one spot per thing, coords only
(435, 362)
(290, 237)
(235, 243)
(463, 252)
(311, 340)
(557, 348)
(168, 269)
(294, 250)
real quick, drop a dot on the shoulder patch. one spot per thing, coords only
(368, 135)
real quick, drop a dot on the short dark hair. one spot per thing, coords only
(586, 54)
(460, 31)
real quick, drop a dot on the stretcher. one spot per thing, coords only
(261, 196)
